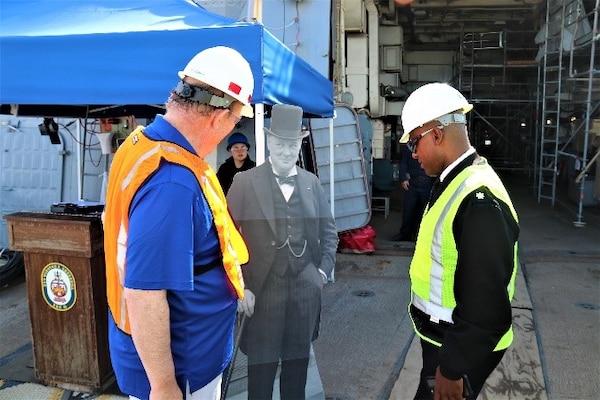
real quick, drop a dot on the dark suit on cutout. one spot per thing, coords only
(289, 241)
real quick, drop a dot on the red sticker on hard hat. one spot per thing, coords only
(234, 88)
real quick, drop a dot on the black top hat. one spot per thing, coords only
(286, 122)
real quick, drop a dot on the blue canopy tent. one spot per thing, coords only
(101, 58)
(73, 57)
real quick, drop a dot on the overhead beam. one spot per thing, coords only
(475, 3)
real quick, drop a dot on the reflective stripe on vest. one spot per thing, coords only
(138, 157)
(433, 266)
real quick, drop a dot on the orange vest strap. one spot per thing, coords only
(137, 158)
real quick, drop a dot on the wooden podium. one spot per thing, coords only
(66, 290)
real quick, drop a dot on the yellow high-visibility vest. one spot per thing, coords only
(137, 158)
(433, 266)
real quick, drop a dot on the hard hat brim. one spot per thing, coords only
(247, 111)
(404, 138)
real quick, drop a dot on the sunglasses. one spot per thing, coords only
(412, 143)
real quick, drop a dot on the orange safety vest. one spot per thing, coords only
(137, 159)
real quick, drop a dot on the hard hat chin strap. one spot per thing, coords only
(202, 96)
(453, 118)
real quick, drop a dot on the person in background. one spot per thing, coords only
(238, 146)
(173, 253)
(465, 262)
(417, 187)
(286, 220)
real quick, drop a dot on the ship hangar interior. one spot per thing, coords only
(530, 68)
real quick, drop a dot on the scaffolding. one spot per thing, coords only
(498, 73)
(569, 99)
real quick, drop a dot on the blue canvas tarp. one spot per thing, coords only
(117, 52)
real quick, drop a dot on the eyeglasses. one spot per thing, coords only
(240, 147)
(412, 143)
(238, 118)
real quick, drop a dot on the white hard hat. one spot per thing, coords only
(430, 102)
(225, 69)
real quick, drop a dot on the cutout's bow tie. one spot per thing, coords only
(285, 179)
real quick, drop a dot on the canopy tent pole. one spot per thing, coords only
(255, 14)
(255, 10)
(259, 132)
(331, 180)
(331, 167)
(79, 162)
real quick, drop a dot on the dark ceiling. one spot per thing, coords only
(441, 23)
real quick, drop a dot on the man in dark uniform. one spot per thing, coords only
(417, 187)
(465, 262)
(285, 218)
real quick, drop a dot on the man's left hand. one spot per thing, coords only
(446, 389)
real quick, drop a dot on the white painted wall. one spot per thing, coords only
(36, 173)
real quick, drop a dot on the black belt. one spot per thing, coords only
(433, 330)
(200, 269)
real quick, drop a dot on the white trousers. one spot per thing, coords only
(212, 391)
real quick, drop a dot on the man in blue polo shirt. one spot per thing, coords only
(172, 252)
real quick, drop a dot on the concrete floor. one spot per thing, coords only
(367, 349)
